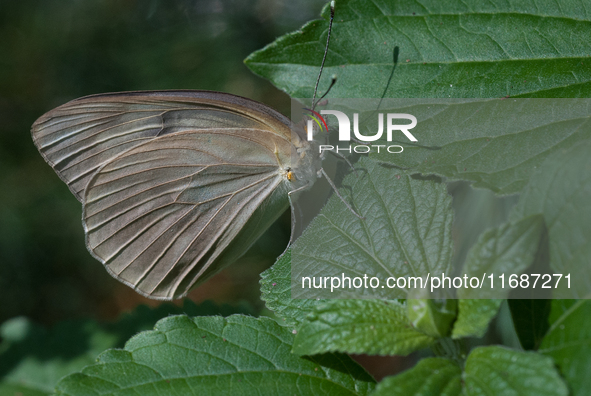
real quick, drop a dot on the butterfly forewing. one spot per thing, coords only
(84, 134)
(175, 185)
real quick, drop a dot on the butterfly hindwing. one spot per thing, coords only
(159, 216)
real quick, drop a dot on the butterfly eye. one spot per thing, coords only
(290, 175)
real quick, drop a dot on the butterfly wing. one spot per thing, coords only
(175, 185)
(164, 214)
(79, 137)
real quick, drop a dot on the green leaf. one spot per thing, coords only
(530, 318)
(406, 233)
(560, 190)
(216, 356)
(359, 326)
(431, 376)
(455, 48)
(474, 315)
(496, 144)
(507, 249)
(432, 316)
(276, 293)
(499, 371)
(568, 342)
(475, 211)
(35, 358)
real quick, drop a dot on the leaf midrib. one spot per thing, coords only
(422, 63)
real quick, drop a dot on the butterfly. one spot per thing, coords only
(175, 185)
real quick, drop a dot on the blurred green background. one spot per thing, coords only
(53, 51)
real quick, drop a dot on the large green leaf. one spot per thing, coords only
(499, 371)
(276, 293)
(238, 355)
(454, 48)
(406, 233)
(431, 376)
(33, 358)
(359, 326)
(560, 191)
(568, 342)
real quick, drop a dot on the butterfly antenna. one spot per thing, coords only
(336, 191)
(324, 57)
(332, 82)
(395, 53)
(395, 63)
